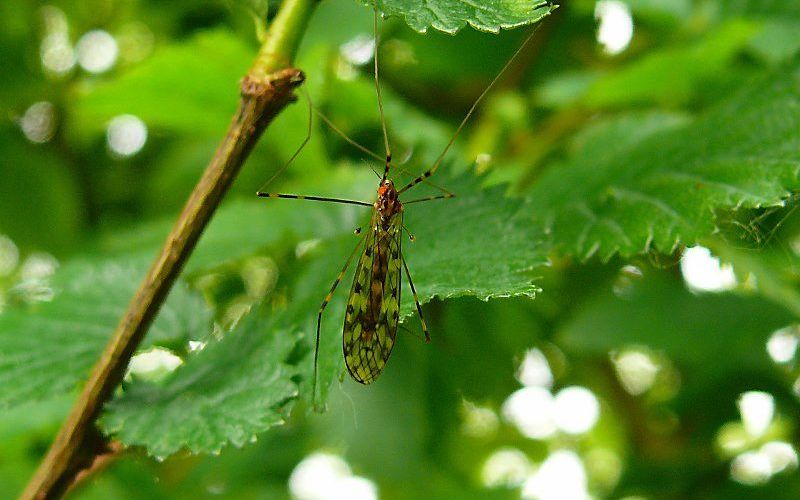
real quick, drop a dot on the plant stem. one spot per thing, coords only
(265, 90)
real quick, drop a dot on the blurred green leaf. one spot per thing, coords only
(671, 76)
(661, 314)
(605, 139)
(188, 87)
(451, 15)
(46, 351)
(674, 9)
(37, 180)
(760, 8)
(777, 41)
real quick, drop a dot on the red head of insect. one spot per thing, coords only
(387, 204)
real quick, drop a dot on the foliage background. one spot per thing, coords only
(593, 173)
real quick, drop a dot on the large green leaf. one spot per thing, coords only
(663, 315)
(36, 179)
(46, 351)
(228, 392)
(663, 191)
(451, 15)
(671, 76)
(189, 87)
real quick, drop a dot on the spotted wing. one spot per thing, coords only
(373, 308)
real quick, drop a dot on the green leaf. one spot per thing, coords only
(663, 315)
(228, 392)
(664, 190)
(611, 137)
(451, 15)
(36, 179)
(48, 350)
(671, 76)
(188, 87)
(777, 41)
(761, 8)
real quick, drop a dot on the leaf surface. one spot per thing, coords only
(46, 351)
(451, 15)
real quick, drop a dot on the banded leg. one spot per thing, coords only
(312, 109)
(322, 309)
(416, 302)
(430, 198)
(314, 198)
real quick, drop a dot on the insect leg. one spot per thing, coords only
(416, 301)
(313, 198)
(472, 109)
(408, 331)
(430, 198)
(344, 136)
(296, 153)
(319, 316)
(380, 97)
(447, 194)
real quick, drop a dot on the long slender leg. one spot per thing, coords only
(322, 308)
(430, 198)
(380, 96)
(296, 153)
(311, 110)
(416, 301)
(472, 109)
(447, 194)
(344, 136)
(314, 198)
(410, 332)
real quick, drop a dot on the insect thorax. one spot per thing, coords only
(388, 203)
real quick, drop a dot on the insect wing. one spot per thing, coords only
(370, 325)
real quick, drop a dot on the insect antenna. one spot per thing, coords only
(371, 168)
(472, 109)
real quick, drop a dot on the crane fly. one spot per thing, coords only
(373, 306)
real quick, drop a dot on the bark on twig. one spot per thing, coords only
(79, 448)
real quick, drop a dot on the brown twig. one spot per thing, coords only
(265, 90)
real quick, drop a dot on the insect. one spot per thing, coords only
(373, 306)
